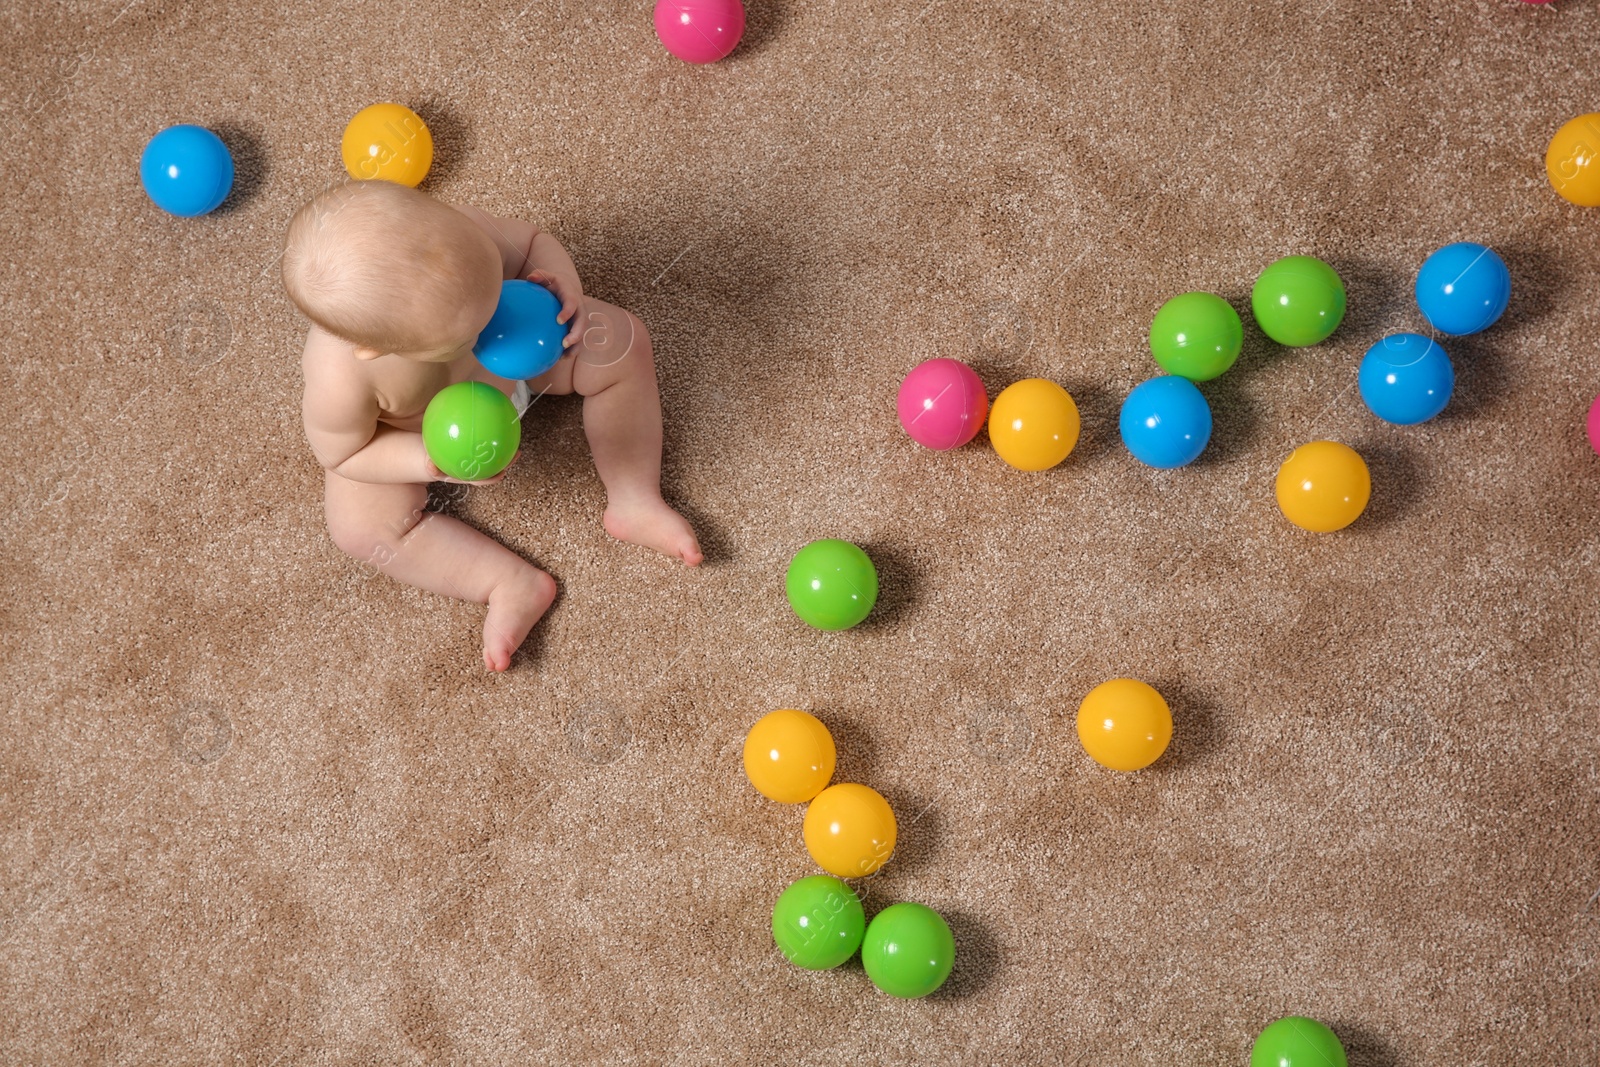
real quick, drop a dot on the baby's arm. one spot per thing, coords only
(548, 256)
(529, 252)
(551, 267)
(341, 420)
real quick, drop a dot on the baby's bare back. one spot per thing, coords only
(396, 389)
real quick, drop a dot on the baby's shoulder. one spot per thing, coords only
(481, 219)
(512, 237)
(330, 364)
(487, 220)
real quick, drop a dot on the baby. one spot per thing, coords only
(397, 286)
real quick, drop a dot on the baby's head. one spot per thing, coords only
(391, 270)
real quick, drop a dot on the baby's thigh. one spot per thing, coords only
(369, 521)
(608, 336)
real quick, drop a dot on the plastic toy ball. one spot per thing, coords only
(523, 338)
(1033, 424)
(699, 31)
(942, 404)
(1571, 160)
(1297, 1042)
(1298, 300)
(471, 431)
(1323, 486)
(788, 756)
(387, 141)
(1165, 422)
(818, 923)
(1463, 288)
(849, 830)
(1594, 425)
(1196, 335)
(1406, 379)
(908, 950)
(186, 171)
(1124, 724)
(831, 584)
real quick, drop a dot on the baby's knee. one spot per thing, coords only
(371, 537)
(612, 337)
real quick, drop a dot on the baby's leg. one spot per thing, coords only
(389, 527)
(614, 369)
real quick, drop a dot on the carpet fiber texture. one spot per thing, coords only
(260, 806)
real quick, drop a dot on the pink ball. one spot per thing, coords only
(942, 404)
(1594, 424)
(700, 31)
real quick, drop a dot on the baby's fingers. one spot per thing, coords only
(569, 305)
(574, 335)
(555, 285)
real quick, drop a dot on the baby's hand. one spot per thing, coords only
(568, 291)
(437, 475)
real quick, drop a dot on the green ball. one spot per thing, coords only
(471, 430)
(1299, 300)
(1296, 1041)
(818, 923)
(908, 950)
(832, 584)
(1197, 335)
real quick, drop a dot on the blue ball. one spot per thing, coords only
(1166, 422)
(523, 338)
(1463, 288)
(1406, 379)
(186, 170)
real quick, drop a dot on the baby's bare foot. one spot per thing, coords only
(514, 606)
(650, 522)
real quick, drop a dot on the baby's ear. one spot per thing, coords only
(363, 352)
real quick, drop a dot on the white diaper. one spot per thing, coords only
(521, 397)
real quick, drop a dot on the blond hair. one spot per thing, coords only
(383, 266)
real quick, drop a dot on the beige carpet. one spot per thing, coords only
(260, 807)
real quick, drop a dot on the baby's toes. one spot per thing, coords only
(496, 656)
(689, 550)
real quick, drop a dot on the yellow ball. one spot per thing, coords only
(788, 756)
(390, 142)
(1573, 160)
(1323, 486)
(849, 830)
(1033, 424)
(1124, 724)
